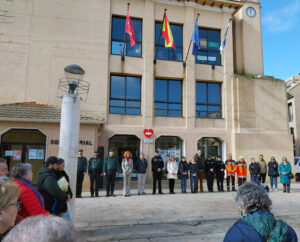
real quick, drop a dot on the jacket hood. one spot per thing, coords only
(43, 169)
(265, 223)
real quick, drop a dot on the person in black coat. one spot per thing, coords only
(157, 164)
(273, 172)
(220, 172)
(254, 170)
(183, 169)
(210, 168)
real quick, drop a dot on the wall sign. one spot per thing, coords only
(148, 133)
(81, 142)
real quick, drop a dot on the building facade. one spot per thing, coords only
(217, 103)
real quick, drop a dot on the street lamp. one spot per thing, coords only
(72, 89)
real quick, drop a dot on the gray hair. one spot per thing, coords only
(21, 170)
(251, 196)
(43, 229)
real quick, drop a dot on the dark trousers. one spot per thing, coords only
(210, 181)
(94, 180)
(171, 185)
(232, 182)
(241, 181)
(262, 178)
(110, 181)
(220, 180)
(157, 176)
(79, 182)
(200, 180)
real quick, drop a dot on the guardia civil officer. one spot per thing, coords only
(157, 166)
(210, 167)
(81, 171)
(220, 172)
(110, 169)
(95, 171)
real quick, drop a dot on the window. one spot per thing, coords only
(125, 95)
(169, 53)
(209, 47)
(117, 37)
(290, 112)
(208, 100)
(168, 98)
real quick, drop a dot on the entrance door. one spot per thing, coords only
(19, 145)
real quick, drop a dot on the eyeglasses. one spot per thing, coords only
(17, 204)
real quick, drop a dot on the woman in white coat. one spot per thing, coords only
(172, 168)
(127, 166)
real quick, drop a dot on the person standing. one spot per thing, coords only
(241, 171)
(210, 166)
(47, 185)
(4, 170)
(201, 168)
(284, 170)
(183, 173)
(220, 172)
(263, 169)
(110, 169)
(141, 168)
(157, 164)
(172, 168)
(273, 172)
(193, 168)
(81, 171)
(230, 166)
(254, 171)
(94, 172)
(127, 167)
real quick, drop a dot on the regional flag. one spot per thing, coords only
(222, 47)
(129, 29)
(167, 33)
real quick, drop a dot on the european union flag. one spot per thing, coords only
(195, 38)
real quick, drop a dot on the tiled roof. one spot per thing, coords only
(39, 112)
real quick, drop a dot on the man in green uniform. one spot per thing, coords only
(110, 169)
(95, 172)
(81, 170)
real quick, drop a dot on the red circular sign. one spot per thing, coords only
(148, 133)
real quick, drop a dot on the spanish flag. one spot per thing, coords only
(167, 33)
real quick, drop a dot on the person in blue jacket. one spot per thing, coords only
(284, 169)
(258, 223)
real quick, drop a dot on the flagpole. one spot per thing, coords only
(184, 63)
(122, 56)
(154, 61)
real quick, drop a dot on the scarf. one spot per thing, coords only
(39, 196)
(264, 222)
(127, 159)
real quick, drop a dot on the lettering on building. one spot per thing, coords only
(81, 142)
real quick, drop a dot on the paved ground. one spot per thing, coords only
(178, 217)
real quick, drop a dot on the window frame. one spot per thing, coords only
(167, 102)
(207, 103)
(156, 46)
(207, 51)
(125, 99)
(137, 42)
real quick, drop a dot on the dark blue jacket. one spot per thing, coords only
(141, 166)
(244, 232)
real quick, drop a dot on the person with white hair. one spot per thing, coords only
(258, 223)
(32, 202)
(241, 171)
(43, 229)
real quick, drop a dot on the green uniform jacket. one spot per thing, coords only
(95, 164)
(111, 163)
(82, 164)
(50, 185)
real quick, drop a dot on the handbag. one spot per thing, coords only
(290, 175)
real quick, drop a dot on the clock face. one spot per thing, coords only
(251, 12)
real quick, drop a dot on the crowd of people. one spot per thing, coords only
(195, 170)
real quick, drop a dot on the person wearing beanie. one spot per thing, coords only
(48, 187)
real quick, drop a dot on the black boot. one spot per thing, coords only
(288, 187)
(284, 187)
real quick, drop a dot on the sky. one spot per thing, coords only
(281, 37)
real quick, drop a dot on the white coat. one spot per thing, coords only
(172, 167)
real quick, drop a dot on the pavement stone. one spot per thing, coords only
(179, 217)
